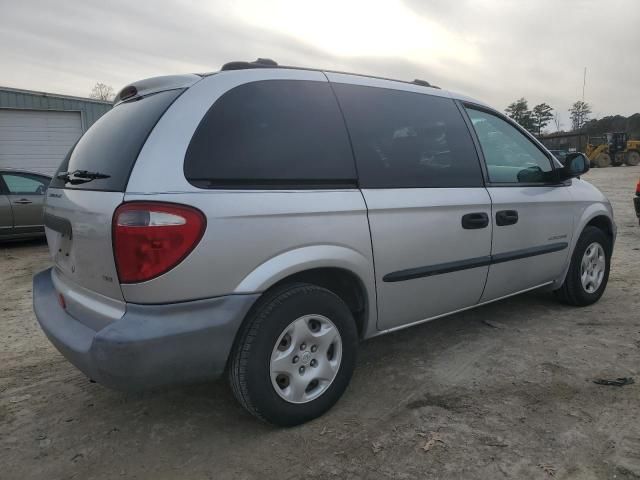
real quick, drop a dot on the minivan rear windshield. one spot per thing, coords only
(112, 144)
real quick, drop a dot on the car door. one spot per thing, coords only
(427, 206)
(6, 214)
(532, 211)
(26, 193)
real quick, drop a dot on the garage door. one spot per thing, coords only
(37, 140)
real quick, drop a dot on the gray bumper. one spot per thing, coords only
(151, 345)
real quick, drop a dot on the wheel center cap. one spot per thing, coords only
(306, 358)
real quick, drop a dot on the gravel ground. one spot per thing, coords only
(503, 391)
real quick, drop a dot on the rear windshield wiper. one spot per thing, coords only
(80, 176)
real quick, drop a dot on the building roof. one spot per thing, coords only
(54, 95)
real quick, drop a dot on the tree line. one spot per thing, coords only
(541, 115)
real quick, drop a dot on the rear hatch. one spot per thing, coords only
(89, 186)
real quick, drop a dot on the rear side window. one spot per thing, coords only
(272, 133)
(112, 144)
(408, 140)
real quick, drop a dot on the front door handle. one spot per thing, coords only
(472, 221)
(506, 217)
(23, 201)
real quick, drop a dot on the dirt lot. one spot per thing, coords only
(504, 391)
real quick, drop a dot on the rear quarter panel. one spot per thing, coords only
(254, 239)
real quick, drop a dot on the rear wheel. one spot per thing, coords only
(295, 355)
(632, 158)
(588, 273)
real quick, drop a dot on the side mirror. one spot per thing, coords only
(575, 164)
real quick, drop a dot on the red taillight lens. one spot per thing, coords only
(151, 238)
(638, 188)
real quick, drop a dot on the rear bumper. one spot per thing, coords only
(636, 204)
(151, 345)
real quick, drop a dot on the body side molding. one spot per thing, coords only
(419, 272)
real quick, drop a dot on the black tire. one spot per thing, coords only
(632, 158)
(603, 160)
(572, 292)
(249, 372)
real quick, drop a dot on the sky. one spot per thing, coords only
(494, 50)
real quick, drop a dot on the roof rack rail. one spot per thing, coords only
(268, 63)
(424, 83)
(259, 63)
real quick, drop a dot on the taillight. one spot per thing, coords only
(638, 188)
(151, 238)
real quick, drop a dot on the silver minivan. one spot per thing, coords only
(261, 221)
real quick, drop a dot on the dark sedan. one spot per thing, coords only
(636, 200)
(22, 196)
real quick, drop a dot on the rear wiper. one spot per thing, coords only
(80, 176)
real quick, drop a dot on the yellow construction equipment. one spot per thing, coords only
(598, 153)
(631, 154)
(613, 149)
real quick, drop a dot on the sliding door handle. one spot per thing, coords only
(472, 221)
(506, 217)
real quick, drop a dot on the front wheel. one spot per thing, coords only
(588, 273)
(603, 160)
(295, 355)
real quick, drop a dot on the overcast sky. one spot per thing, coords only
(494, 50)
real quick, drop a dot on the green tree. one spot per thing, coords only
(541, 116)
(519, 112)
(579, 114)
